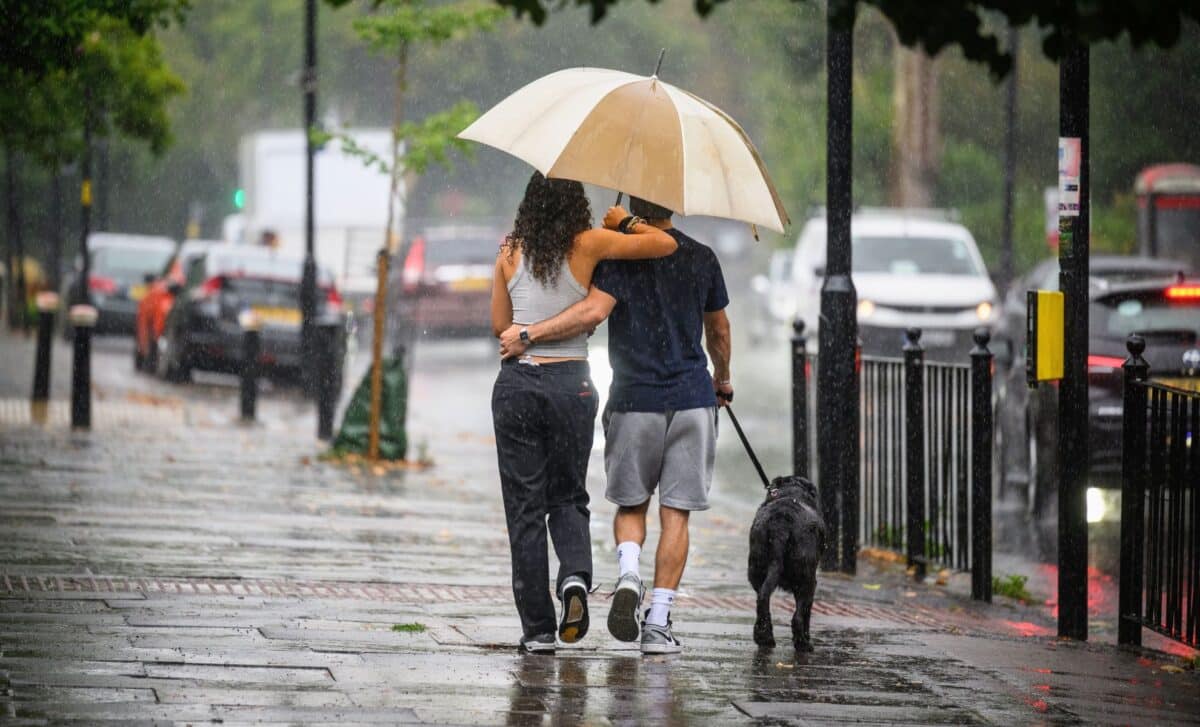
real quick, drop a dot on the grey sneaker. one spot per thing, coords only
(538, 644)
(659, 639)
(623, 617)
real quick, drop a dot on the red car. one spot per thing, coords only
(446, 280)
(154, 306)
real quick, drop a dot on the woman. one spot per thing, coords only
(544, 403)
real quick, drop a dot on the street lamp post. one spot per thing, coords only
(1010, 163)
(1073, 391)
(837, 335)
(308, 283)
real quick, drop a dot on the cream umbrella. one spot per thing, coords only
(639, 135)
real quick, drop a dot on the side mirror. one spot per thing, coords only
(759, 284)
(148, 278)
(175, 288)
(819, 271)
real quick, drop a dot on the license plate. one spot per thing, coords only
(471, 285)
(937, 339)
(137, 292)
(1187, 383)
(278, 316)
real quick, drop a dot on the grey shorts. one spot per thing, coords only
(672, 452)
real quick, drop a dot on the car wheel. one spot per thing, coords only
(1043, 485)
(171, 367)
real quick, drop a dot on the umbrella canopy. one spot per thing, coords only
(638, 135)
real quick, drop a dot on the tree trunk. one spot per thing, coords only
(391, 240)
(916, 135)
(54, 263)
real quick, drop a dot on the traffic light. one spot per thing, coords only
(239, 198)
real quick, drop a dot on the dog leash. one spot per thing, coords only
(749, 450)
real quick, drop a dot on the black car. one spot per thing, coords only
(1166, 314)
(120, 268)
(204, 330)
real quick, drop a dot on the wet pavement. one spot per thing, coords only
(174, 566)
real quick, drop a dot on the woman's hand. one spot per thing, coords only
(511, 343)
(612, 218)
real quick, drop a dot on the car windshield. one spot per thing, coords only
(1119, 318)
(461, 250)
(913, 256)
(129, 264)
(265, 266)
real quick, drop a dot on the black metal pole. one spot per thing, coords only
(837, 388)
(1073, 391)
(47, 305)
(330, 377)
(308, 283)
(82, 319)
(1133, 494)
(54, 261)
(251, 346)
(981, 467)
(16, 273)
(1010, 165)
(914, 451)
(799, 399)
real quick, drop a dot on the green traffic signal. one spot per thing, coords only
(239, 198)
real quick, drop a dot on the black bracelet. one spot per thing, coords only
(623, 225)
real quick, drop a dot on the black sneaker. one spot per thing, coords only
(538, 644)
(574, 623)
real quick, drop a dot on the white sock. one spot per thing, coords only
(661, 600)
(628, 554)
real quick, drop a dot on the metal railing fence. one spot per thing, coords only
(1160, 507)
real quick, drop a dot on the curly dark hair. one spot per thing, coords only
(551, 214)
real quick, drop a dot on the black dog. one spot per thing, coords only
(786, 542)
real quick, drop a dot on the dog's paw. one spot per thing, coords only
(764, 637)
(802, 646)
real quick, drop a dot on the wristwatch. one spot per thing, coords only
(525, 339)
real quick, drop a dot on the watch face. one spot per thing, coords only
(525, 335)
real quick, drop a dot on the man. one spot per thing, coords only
(660, 424)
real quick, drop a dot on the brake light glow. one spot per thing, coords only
(414, 264)
(1183, 292)
(1103, 364)
(210, 287)
(101, 284)
(333, 299)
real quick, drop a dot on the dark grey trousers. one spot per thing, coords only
(544, 418)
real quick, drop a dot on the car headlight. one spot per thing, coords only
(866, 308)
(984, 311)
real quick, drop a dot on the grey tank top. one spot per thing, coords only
(533, 302)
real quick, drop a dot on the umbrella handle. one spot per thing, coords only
(618, 202)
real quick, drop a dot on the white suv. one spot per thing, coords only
(911, 268)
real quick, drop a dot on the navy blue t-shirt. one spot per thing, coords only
(656, 328)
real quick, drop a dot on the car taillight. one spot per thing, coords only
(209, 288)
(1103, 364)
(1184, 292)
(414, 265)
(101, 284)
(333, 299)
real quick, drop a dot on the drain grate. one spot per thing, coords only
(15, 585)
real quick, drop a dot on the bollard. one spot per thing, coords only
(329, 376)
(981, 467)
(799, 399)
(47, 305)
(82, 319)
(1133, 493)
(914, 450)
(251, 326)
